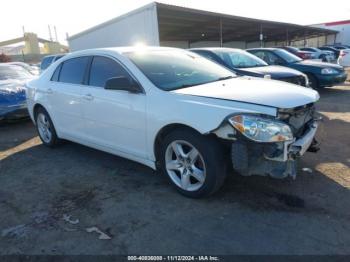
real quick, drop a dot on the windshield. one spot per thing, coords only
(288, 57)
(240, 59)
(171, 70)
(13, 72)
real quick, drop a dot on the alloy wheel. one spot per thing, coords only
(185, 165)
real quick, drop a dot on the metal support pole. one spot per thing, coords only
(50, 32)
(261, 37)
(56, 39)
(287, 37)
(221, 41)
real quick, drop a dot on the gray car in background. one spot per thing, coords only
(48, 60)
(324, 55)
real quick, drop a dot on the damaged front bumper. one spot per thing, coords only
(277, 160)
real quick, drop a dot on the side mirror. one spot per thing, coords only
(122, 83)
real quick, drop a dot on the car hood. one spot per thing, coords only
(276, 72)
(319, 64)
(12, 86)
(255, 91)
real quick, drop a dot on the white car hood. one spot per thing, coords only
(256, 91)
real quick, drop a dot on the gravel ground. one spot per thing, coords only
(51, 198)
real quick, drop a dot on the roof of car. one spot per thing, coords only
(263, 48)
(215, 49)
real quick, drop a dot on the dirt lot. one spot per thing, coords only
(142, 214)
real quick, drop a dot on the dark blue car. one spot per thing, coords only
(244, 63)
(12, 91)
(320, 74)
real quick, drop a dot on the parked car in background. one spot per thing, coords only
(302, 54)
(48, 60)
(244, 63)
(31, 69)
(332, 49)
(12, 91)
(320, 74)
(324, 55)
(174, 110)
(344, 58)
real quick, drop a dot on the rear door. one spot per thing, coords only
(114, 119)
(64, 95)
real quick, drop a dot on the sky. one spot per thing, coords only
(74, 16)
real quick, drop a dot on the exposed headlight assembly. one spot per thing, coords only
(261, 129)
(328, 71)
(307, 83)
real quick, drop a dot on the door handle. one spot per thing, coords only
(49, 91)
(88, 97)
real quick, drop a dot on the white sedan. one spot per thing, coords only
(174, 110)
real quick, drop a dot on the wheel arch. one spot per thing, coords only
(36, 107)
(164, 131)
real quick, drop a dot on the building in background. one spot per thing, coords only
(30, 51)
(343, 28)
(167, 25)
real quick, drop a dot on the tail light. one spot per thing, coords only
(343, 53)
(303, 55)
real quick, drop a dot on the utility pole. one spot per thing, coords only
(50, 33)
(55, 33)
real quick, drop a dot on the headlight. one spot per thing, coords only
(328, 71)
(307, 84)
(261, 129)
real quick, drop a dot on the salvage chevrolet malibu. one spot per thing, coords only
(175, 111)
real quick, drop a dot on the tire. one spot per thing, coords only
(196, 174)
(313, 81)
(45, 128)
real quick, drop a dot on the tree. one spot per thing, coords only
(4, 58)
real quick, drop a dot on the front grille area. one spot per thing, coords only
(298, 118)
(297, 80)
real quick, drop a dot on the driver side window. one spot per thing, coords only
(104, 68)
(273, 59)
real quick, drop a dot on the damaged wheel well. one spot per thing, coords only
(36, 108)
(167, 130)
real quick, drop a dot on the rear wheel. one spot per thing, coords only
(46, 129)
(193, 163)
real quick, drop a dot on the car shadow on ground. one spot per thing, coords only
(70, 163)
(15, 132)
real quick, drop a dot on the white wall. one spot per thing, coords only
(140, 25)
(343, 37)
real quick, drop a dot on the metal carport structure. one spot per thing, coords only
(168, 25)
(185, 24)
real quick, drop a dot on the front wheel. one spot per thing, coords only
(193, 163)
(46, 130)
(313, 83)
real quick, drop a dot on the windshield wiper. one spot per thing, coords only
(224, 78)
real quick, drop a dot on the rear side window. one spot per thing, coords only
(73, 70)
(56, 73)
(208, 55)
(46, 62)
(102, 69)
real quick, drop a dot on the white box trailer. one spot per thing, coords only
(160, 24)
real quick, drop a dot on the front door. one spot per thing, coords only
(115, 119)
